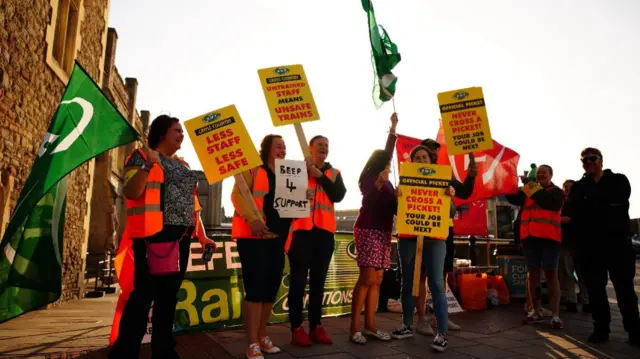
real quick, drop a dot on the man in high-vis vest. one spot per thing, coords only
(541, 236)
(311, 243)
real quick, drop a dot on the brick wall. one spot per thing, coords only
(29, 94)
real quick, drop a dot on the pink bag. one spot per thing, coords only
(163, 258)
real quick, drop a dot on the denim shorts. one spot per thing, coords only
(541, 253)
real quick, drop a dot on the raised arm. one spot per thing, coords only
(391, 139)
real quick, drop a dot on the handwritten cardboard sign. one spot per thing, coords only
(291, 189)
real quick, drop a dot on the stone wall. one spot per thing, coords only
(108, 178)
(29, 94)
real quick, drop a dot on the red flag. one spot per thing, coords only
(471, 220)
(404, 145)
(497, 170)
(497, 167)
(125, 272)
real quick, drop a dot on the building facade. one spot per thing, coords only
(39, 42)
(210, 196)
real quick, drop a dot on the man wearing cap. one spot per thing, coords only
(463, 191)
(599, 211)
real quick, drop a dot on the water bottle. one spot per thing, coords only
(532, 173)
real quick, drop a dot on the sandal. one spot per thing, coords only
(358, 338)
(380, 335)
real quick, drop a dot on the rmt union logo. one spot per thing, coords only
(281, 70)
(426, 171)
(211, 117)
(460, 95)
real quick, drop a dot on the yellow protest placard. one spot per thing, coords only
(423, 208)
(288, 95)
(531, 187)
(464, 120)
(222, 143)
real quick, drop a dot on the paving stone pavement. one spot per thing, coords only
(80, 329)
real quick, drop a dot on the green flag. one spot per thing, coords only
(384, 56)
(85, 125)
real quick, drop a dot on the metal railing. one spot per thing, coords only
(102, 272)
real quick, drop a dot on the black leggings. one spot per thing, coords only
(310, 254)
(162, 291)
(262, 266)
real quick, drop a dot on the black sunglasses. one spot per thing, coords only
(593, 158)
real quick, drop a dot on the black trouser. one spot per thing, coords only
(162, 291)
(616, 258)
(310, 254)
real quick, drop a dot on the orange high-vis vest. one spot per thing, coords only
(322, 214)
(144, 214)
(259, 188)
(538, 222)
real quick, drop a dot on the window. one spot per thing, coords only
(66, 32)
(63, 36)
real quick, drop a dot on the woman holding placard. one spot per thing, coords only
(372, 235)
(311, 245)
(160, 237)
(433, 257)
(260, 246)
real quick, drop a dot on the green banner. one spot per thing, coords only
(211, 295)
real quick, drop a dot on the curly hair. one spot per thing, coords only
(265, 146)
(158, 130)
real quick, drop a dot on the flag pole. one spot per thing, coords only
(396, 168)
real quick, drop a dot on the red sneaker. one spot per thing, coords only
(319, 335)
(300, 338)
(556, 323)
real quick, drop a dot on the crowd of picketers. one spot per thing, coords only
(593, 242)
(585, 228)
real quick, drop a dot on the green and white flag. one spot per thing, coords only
(85, 125)
(384, 56)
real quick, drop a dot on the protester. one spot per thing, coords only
(311, 244)
(463, 191)
(372, 235)
(599, 211)
(568, 262)
(433, 258)
(152, 178)
(540, 233)
(260, 246)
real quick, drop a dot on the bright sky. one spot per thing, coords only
(557, 75)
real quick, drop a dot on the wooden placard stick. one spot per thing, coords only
(304, 145)
(417, 269)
